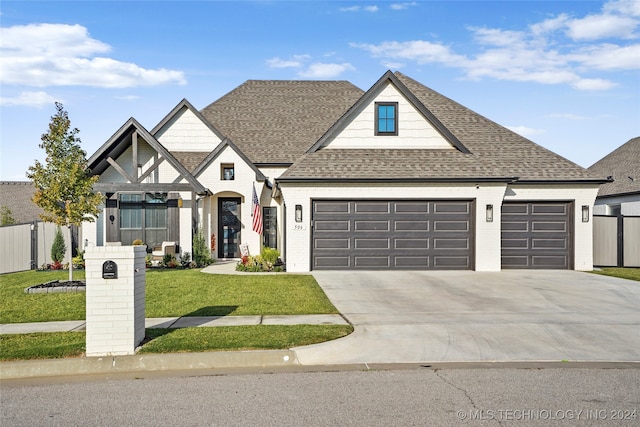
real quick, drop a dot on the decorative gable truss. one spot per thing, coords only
(131, 161)
(413, 126)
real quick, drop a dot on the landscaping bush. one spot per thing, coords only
(58, 248)
(201, 253)
(268, 260)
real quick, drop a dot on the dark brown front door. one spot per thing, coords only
(229, 226)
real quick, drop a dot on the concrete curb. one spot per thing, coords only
(146, 362)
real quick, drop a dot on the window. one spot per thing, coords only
(227, 172)
(386, 118)
(143, 216)
(270, 230)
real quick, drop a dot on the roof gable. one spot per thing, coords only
(106, 156)
(623, 166)
(226, 143)
(183, 120)
(417, 126)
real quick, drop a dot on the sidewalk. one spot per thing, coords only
(183, 322)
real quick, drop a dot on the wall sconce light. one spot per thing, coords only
(489, 213)
(298, 213)
(585, 213)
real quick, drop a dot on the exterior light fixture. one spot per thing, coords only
(489, 213)
(298, 213)
(585, 213)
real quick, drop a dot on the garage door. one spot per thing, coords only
(537, 235)
(407, 234)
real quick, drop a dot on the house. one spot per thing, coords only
(397, 177)
(617, 208)
(17, 197)
(621, 196)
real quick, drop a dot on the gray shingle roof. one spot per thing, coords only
(16, 195)
(496, 152)
(276, 121)
(190, 159)
(623, 164)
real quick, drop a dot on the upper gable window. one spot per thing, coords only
(386, 118)
(227, 172)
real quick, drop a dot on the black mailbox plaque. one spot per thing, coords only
(109, 270)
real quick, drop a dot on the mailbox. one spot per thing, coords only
(109, 270)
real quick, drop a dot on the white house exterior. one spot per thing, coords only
(397, 177)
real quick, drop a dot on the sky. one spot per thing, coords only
(565, 74)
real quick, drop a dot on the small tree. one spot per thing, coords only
(201, 253)
(7, 216)
(58, 248)
(64, 185)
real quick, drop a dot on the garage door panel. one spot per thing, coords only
(411, 243)
(332, 243)
(536, 235)
(411, 208)
(371, 225)
(411, 225)
(371, 244)
(371, 207)
(406, 234)
(333, 207)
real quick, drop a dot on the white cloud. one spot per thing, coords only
(295, 61)
(596, 27)
(525, 131)
(41, 55)
(555, 51)
(359, 8)
(30, 99)
(420, 51)
(402, 6)
(321, 70)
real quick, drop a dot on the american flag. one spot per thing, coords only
(256, 212)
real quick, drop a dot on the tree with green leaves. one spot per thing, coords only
(64, 184)
(7, 216)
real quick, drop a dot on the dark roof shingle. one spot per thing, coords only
(276, 121)
(623, 165)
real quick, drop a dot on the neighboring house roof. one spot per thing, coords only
(495, 152)
(277, 121)
(17, 195)
(623, 165)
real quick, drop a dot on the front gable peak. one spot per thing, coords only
(388, 116)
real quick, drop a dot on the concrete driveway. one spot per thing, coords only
(514, 315)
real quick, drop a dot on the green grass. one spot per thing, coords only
(171, 293)
(259, 337)
(222, 338)
(42, 345)
(623, 273)
(18, 307)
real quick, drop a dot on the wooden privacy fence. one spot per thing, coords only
(28, 246)
(616, 241)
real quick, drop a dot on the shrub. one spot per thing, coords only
(78, 260)
(270, 255)
(268, 260)
(201, 254)
(137, 242)
(58, 248)
(168, 260)
(185, 259)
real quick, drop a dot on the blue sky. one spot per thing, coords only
(565, 74)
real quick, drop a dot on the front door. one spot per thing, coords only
(229, 227)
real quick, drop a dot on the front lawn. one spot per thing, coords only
(171, 293)
(623, 273)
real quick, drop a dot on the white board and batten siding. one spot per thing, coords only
(414, 131)
(186, 132)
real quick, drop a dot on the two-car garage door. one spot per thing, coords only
(388, 234)
(435, 234)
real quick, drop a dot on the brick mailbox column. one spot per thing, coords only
(115, 277)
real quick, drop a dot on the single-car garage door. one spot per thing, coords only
(537, 235)
(392, 234)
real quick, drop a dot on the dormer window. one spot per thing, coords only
(228, 172)
(386, 118)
